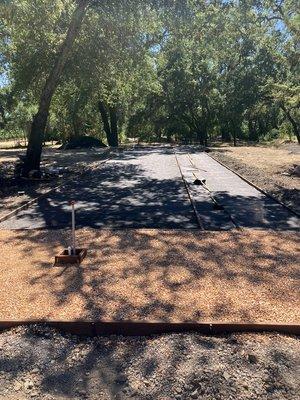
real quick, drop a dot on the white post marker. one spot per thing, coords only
(72, 203)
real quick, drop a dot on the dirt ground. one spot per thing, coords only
(15, 192)
(16, 143)
(267, 167)
(167, 275)
(264, 166)
(229, 276)
(38, 363)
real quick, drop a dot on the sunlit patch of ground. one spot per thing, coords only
(169, 275)
(267, 167)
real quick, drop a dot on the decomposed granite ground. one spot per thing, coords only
(168, 275)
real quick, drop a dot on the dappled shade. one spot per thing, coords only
(168, 275)
(143, 188)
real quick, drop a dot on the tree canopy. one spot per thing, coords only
(187, 71)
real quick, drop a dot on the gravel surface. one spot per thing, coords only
(169, 275)
(267, 167)
(37, 362)
(14, 192)
(143, 188)
(140, 188)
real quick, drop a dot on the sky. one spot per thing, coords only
(3, 80)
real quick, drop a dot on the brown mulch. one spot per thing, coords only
(248, 276)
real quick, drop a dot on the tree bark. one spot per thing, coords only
(113, 126)
(105, 120)
(110, 123)
(253, 134)
(2, 114)
(234, 135)
(225, 134)
(34, 148)
(294, 124)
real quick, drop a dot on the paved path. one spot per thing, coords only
(145, 187)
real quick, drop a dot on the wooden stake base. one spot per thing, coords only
(65, 258)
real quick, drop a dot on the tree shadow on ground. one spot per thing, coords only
(165, 275)
(156, 367)
(145, 274)
(16, 191)
(143, 188)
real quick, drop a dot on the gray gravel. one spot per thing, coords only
(139, 188)
(39, 363)
(272, 184)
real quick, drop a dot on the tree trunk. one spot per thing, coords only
(34, 148)
(2, 114)
(235, 131)
(113, 126)
(202, 136)
(294, 124)
(199, 137)
(105, 120)
(205, 138)
(75, 120)
(234, 136)
(110, 123)
(253, 134)
(225, 134)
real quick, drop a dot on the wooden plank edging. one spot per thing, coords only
(145, 328)
(36, 199)
(256, 187)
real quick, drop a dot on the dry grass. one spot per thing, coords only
(19, 143)
(165, 275)
(267, 167)
(268, 159)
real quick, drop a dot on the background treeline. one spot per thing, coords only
(186, 71)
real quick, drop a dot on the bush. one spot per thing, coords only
(83, 142)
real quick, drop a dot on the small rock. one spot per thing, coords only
(121, 379)
(252, 358)
(17, 386)
(194, 394)
(297, 170)
(35, 371)
(81, 392)
(28, 384)
(226, 375)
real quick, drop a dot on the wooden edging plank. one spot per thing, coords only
(137, 328)
(36, 199)
(256, 187)
(198, 218)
